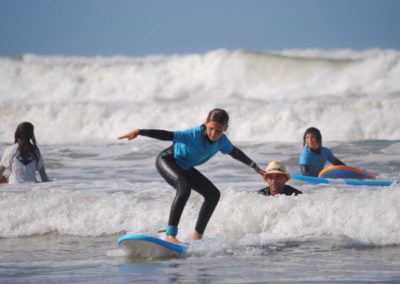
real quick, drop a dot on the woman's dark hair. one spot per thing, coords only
(218, 115)
(316, 132)
(27, 148)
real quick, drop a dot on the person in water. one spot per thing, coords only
(276, 177)
(176, 164)
(314, 156)
(23, 158)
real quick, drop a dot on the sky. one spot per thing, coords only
(147, 27)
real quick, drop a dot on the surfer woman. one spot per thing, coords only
(314, 156)
(23, 158)
(190, 148)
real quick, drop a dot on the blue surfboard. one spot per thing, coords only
(147, 246)
(319, 180)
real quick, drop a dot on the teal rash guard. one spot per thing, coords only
(192, 148)
(312, 162)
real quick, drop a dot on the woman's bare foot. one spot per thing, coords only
(196, 236)
(172, 239)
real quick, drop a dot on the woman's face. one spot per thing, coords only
(312, 141)
(214, 130)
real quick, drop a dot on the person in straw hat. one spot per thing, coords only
(276, 177)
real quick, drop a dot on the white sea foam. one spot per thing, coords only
(366, 216)
(349, 95)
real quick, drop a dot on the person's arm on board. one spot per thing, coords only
(240, 156)
(333, 160)
(338, 162)
(152, 133)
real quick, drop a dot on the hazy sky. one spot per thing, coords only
(142, 27)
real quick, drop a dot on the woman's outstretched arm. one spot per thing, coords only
(152, 133)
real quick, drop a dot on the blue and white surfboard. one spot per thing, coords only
(147, 246)
(318, 180)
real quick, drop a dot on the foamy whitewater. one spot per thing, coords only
(66, 230)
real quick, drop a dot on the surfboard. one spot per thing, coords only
(147, 246)
(346, 172)
(320, 180)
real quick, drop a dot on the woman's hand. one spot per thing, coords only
(260, 171)
(131, 135)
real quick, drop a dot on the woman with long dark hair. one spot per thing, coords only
(23, 158)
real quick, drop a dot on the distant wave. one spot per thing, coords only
(348, 94)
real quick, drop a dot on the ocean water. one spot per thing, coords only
(66, 230)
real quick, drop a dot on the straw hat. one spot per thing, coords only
(276, 168)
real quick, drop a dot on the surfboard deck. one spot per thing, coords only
(319, 180)
(346, 172)
(147, 246)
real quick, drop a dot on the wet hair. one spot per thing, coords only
(316, 132)
(218, 115)
(27, 148)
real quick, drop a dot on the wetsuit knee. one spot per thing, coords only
(213, 197)
(208, 207)
(217, 195)
(183, 188)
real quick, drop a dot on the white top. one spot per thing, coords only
(20, 173)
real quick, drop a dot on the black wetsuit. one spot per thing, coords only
(287, 191)
(184, 180)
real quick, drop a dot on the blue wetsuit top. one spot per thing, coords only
(192, 148)
(316, 161)
(193, 155)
